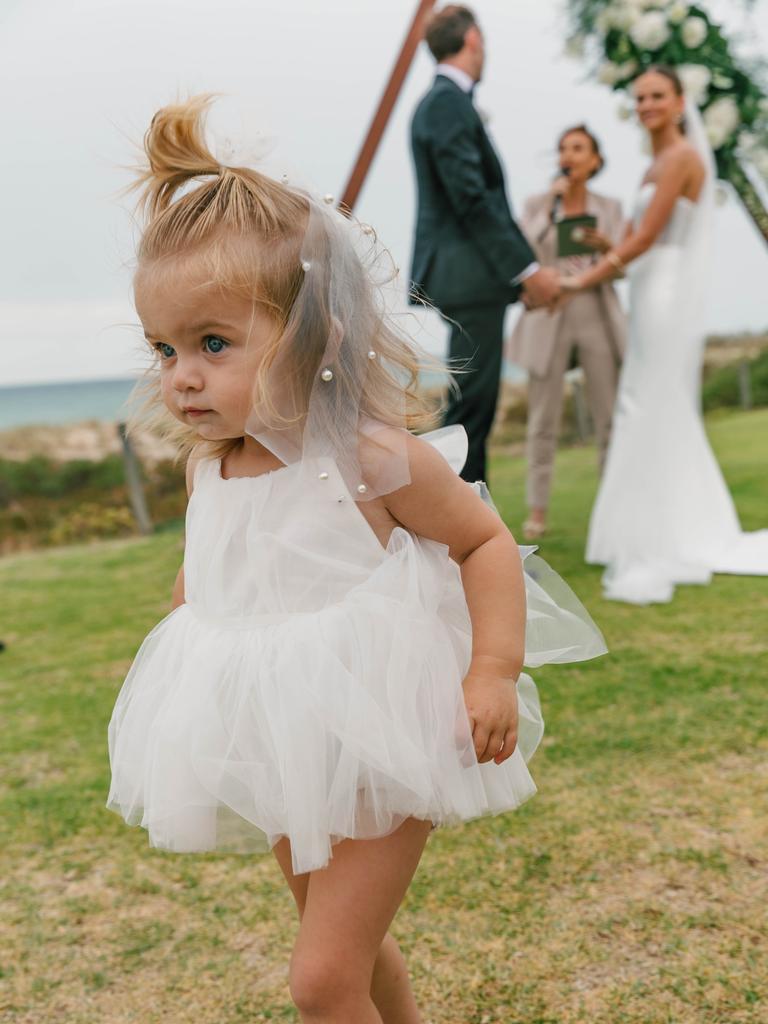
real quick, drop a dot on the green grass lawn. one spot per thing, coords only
(633, 888)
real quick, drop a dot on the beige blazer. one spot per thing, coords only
(533, 341)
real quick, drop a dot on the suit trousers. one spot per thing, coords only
(584, 327)
(475, 352)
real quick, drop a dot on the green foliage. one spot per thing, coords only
(42, 477)
(92, 521)
(611, 28)
(43, 502)
(721, 387)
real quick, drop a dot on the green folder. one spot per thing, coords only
(567, 245)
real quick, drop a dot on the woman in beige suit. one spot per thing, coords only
(591, 323)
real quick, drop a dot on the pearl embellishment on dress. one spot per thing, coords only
(328, 198)
(322, 476)
(327, 375)
(371, 354)
(306, 266)
(361, 488)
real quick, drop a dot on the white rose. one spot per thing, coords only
(604, 21)
(694, 32)
(621, 14)
(695, 79)
(678, 12)
(747, 142)
(650, 31)
(716, 136)
(609, 73)
(721, 119)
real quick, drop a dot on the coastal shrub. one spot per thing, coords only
(91, 521)
(721, 387)
(39, 476)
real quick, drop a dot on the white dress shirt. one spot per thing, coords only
(467, 83)
(464, 81)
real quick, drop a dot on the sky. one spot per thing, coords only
(82, 78)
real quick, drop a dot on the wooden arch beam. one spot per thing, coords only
(385, 108)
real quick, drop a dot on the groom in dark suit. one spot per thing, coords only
(470, 258)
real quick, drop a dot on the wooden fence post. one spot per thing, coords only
(745, 384)
(133, 480)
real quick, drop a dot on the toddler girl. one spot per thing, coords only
(341, 670)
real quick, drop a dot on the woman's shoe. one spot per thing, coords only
(533, 530)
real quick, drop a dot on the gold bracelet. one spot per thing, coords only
(617, 263)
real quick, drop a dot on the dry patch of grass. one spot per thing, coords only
(618, 902)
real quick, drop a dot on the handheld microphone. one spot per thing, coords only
(557, 202)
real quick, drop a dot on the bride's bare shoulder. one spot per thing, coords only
(680, 170)
(682, 155)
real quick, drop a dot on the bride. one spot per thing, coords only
(663, 514)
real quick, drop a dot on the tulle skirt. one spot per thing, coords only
(230, 734)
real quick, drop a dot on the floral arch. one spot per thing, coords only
(620, 37)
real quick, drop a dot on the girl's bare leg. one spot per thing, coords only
(391, 987)
(366, 881)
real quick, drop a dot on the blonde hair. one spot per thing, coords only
(246, 231)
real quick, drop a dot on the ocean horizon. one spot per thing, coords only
(62, 402)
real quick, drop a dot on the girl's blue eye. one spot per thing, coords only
(166, 351)
(214, 344)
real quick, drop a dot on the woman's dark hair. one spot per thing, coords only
(670, 73)
(583, 130)
(446, 30)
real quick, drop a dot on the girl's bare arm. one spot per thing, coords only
(439, 505)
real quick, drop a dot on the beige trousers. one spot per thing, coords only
(582, 326)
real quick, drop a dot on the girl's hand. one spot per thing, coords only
(596, 240)
(491, 703)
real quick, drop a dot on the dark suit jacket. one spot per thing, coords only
(467, 247)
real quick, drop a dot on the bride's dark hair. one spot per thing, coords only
(670, 73)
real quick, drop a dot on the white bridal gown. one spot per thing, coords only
(663, 514)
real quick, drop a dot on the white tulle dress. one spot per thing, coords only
(310, 686)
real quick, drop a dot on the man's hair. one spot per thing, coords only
(446, 30)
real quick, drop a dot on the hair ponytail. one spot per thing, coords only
(237, 200)
(176, 151)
